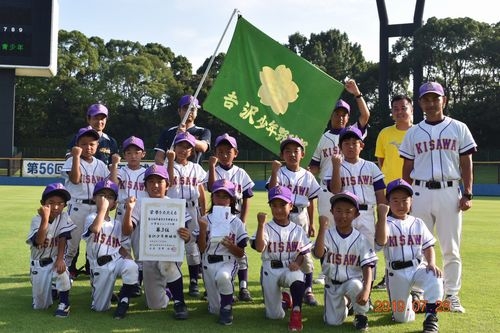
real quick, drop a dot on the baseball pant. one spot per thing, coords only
(156, 275)
(336, 310)
(218, 279)
(78, 213)
(41, 281)
(192, 251)
(365, 224)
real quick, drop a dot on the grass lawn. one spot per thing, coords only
(480, 249)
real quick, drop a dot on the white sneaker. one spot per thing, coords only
(455, 305)
(320, 279)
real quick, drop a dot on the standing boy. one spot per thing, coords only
(406, 241)
(283, 245)
(348, 260)
(437, 154)
(304, 189)
(49, 232)
(220, 166)
(107, 257)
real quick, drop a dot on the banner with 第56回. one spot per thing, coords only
(267, 92)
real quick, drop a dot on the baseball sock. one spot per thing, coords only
(176, 290)
(308, 281)
(297, 290)
(64, 297)
(243, 277)
(193, 273)
(226, 300)
(126, 292)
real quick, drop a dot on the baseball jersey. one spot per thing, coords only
(186, 180)
(435, 149)
(284, 243)
(328, 146)
(387, 147)
(406, 239)
(91, 173)
(130, 183)
(237, 233)
(241, 180)
(107, 242)
(106, 148)
(60, 227)
(362, 178)
(345, 256)
(200, 133)
(302, 183)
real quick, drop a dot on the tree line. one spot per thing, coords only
(141, 84)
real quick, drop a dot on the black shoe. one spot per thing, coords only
(136, 292)
(361, 322)
(193, 289)
(309, 299)
(381, 285)
(431, 324)
(180, 310)
(226, 316)
(121, 310)
(416, 298)
(244, 295)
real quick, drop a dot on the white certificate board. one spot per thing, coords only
(160, 219)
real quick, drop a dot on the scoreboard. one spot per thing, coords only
(28, 36)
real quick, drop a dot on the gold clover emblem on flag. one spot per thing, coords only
(277, 89)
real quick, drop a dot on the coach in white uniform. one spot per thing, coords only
(438, 154)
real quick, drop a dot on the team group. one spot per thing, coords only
(422, 166)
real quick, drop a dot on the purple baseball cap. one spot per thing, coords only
(430, 87)
(224, 185)
(280, 192)
(345, 195)
(350, 131)
(291, 139)
(228, 138)
(341, 104)
(398, 184)
(87, 131)
(96, 109)
(158, 170)
(56, 189)
(106, 184)
(185, 136)
(186, 100)
(135, 141)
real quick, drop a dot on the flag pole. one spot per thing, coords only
(207, 70)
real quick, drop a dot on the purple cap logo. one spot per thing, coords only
(96, 109)
(106, 185)
(398, 184)
(345, 195)
(430, 87)
(350, 132)
(56, 189)
(185, 136)
(280, 192)
(187, 99)
(135, 141)
(87, 131)
(156, 169)
(228, 138)
(224, 185)
(291, 139)
(341, 104)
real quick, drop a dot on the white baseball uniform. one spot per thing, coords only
(43, 257)
(405, 269)
(106, 263)
(220, 265)
(81, 204)
(185, 185)
(342, 265)
(282, 246)
(435, 151)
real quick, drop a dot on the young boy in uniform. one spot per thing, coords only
(283, 245)
(107, 257)
(304, 189)
(348, 259)
(220, 166)
(81, 172)
(157, 274)
(47, 238)
(406, 241)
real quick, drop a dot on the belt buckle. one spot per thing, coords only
(45, 262)
(433, 185)
(103, 260)
(276, 264)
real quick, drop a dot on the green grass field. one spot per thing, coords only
(480, 249)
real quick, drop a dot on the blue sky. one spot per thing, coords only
(193, 28)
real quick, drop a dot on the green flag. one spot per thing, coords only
(267, 92)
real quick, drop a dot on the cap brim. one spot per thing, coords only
(339, 196)
(403, 187)
(59, 192)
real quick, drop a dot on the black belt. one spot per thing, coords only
(433, 185)
(85, 201)
(363, 207)
(296, 209)
(277, 264)
(335, 282)
(212, 258)
(43, 262)
(190, 204)
(396, 265)
(103, 260)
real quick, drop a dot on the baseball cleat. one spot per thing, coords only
(417, 298)
(455, 305)
(62, 311)
(193, 289)
(226, 316)
(431, 324)
(180, 310)
(309, 299)
(121, 310)
(244, 295)
(286, 300)
(295, 324)
(361, 323)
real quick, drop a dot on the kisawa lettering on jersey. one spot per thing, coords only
(438, 144)
(357, 180)
(284, 243)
